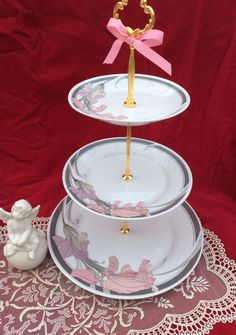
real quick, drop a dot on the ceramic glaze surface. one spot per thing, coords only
(155, 256)
(103, 98)
(26, 247)
(93, 178)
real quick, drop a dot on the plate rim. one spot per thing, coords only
(125, 122)
(123, 139)
(132, 296)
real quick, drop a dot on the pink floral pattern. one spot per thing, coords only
(44, 301)
(86, 275)
(128, 210)
(87, 98)
(126, 280)
(86, 193)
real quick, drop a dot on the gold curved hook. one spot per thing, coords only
(148, 10)
(120, 5)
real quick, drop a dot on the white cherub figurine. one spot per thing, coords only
(26, 247)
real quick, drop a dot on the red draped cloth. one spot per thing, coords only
(46, 47)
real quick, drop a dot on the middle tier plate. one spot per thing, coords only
(161, 180)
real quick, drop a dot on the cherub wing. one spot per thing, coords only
(4, 215)
(35, 211)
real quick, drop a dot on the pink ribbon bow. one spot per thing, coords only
(141, 43)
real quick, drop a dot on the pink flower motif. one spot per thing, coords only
(92, 99)
(128, 210)
(121, 117)
(64, 246)
(90, 93)
(114, 117)
(127, 280)
(89, 96)
(86, 275)
(108, 116)
(84, 191)
(86, 90)
(97, 208)
(79, 105)
(113, 265)
(67, 247)
(100, 108)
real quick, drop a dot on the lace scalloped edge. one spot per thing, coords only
(38, 223)
(206, 314)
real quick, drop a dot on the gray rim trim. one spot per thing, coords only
(101, 79)
(141, 141)
(164, 286)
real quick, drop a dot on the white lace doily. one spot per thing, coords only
(43, 301)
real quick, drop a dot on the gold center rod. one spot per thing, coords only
(131, 73)
(127, 175)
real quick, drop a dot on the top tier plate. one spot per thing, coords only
(103, 98)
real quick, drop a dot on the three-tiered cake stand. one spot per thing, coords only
(124, 230)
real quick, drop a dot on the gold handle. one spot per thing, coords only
(148, 10)
(131, 69)
(120, 5)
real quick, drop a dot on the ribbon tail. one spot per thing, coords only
(112, 54)
(153, 56)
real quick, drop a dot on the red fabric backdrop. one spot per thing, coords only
(46, 47)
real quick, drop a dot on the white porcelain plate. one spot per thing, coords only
(161, 180)
(153, 258)
(103, 98)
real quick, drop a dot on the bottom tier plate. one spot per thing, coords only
(156, 255)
